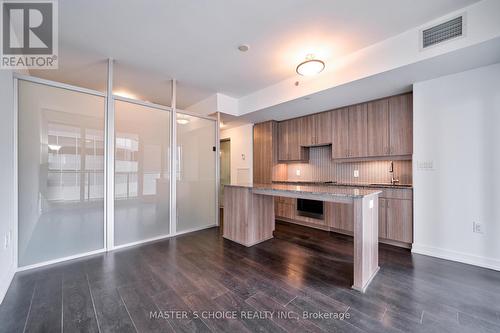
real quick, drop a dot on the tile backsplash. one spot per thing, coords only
(322, 168)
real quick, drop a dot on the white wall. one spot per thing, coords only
(7, 266)
(457, 127)
(241, 144)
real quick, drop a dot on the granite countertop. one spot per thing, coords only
(320, 190)
(329, 183)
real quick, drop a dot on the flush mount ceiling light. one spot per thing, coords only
(54, 147)
(310, 66)
(182, 121)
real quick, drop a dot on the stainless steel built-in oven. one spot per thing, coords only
(310, 208)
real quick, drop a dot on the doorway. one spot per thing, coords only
(225, 173)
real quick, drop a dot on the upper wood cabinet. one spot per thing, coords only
(289, 148)
(401, 124)
(265, 147)
(358, 130)
(381, 128)
(378, 128)
(283, 140)
(372, 130)
(340, 133)
(316, 130)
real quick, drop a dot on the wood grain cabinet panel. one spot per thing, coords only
(382, 218)
(289, 148)
(316, 130)
(340, 133)
(401, 124)
(358, 129)
(339, 216)
(265, 147)
(283, 154)
(285, 207)
(307, 131)
(323, 128)
(294, 148)
(378, 128)
(399, 220)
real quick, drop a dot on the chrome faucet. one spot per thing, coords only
(394, 181)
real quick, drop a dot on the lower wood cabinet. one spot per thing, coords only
(399, 220)
(395, 220)
(339, 216)
(382, 218)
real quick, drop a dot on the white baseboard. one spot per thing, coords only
(5, 284)
(462, 257)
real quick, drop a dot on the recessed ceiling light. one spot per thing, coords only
(310, 66)
(243, 48)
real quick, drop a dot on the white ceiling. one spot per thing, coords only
(196, 41)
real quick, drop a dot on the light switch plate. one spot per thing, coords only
(425, 165)
(356, 173)
(297, 172)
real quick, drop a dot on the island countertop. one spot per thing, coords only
(249, 218)
(319, 192)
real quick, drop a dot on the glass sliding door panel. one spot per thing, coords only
(60, 173)
(142, 173)
(196, 158)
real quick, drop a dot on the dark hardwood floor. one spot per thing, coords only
(301, 271)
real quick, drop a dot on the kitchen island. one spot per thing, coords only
(249, 218)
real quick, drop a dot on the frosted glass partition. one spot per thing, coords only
(60, 173)
(142, 172)
(196, 181)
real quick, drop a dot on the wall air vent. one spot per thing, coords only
(442, 32)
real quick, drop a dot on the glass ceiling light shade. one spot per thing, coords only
(182, 120)
(310, 66)
(54, 147)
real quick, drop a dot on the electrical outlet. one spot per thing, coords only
(477, 227)
(356, 173)
(297, 172)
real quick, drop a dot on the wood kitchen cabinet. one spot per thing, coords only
(284, 207)
(316, 130)
(399, 220)
(401, 125)
(339, 216)
(265, 149)
(289, 148)
(382, 218)
(358, 130)
(340, 133)
(378, 128)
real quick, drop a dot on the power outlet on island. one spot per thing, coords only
(356, 173)
(297, 172)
